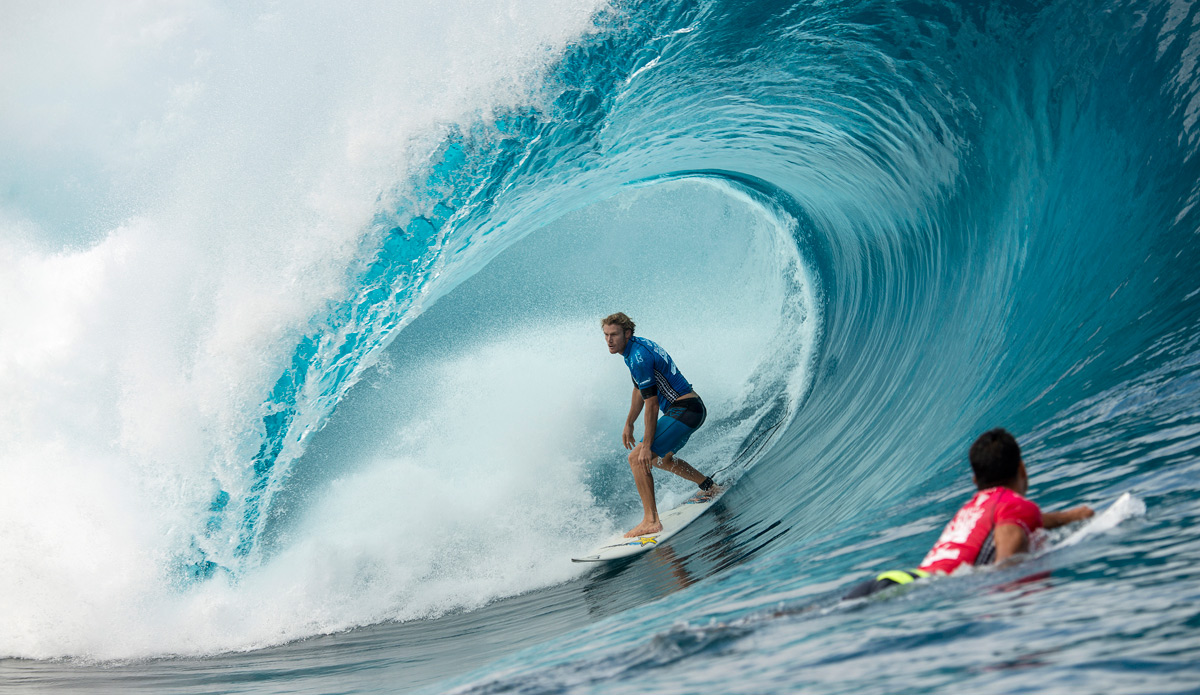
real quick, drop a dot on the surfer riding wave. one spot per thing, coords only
(657, 385)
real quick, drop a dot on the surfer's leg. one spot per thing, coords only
(673, 464)
(674, 430)
(645, 487)
(885, 581)
(868, 587)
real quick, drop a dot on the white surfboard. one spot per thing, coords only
(673, 522)
(1124, 507)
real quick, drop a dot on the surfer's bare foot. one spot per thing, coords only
(709, 493)
(645, 529)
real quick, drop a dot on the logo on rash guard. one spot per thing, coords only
(961, 526)
(956, 533)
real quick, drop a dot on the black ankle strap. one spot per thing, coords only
(706, 484)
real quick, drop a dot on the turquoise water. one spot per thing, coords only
(307, 392)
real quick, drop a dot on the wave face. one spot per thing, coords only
(306, 339)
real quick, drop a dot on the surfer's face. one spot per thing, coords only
(616, 338)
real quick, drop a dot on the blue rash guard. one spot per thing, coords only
(654, 372)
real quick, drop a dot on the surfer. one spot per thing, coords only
(657, 385)
(995, 525)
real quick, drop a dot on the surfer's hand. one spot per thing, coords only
(1067, 516)
(643, 455)
(627, 437)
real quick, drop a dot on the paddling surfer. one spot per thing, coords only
(994, 525)
(657, 385)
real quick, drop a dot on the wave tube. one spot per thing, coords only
(483, 448)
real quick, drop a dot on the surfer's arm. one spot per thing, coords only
(1068, 516)
(650, 424)
(635, 407)
(1010, 539)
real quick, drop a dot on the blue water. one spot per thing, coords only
(340, 418)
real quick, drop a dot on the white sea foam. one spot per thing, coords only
(187, 184)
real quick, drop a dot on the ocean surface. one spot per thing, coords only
(304, 389)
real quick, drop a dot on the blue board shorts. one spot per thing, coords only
(675, 427)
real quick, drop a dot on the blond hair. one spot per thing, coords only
(618, 319)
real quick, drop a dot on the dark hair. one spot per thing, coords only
(995, 458)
